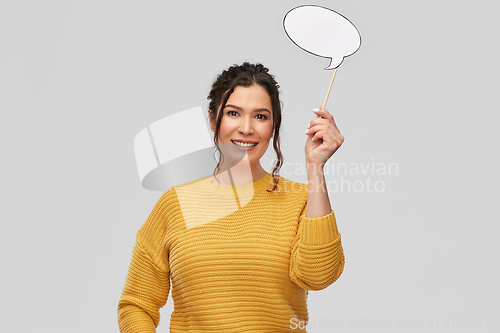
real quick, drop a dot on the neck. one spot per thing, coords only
(240, 174)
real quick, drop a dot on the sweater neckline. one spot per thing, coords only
(261, 184)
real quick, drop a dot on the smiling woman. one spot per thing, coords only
(241, 248)
(246, 126)
(251, 113)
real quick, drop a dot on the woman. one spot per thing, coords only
(241, 248)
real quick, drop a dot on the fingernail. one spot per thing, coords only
(306, 131)
(309, 125)
(316, 110)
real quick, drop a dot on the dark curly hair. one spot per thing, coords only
(246, 75)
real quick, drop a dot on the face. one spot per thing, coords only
(247, 119)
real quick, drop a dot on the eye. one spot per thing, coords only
(232, 113)
(264, 117)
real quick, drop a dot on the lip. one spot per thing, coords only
(245, 148)
(245, 141)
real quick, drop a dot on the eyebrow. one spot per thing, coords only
(241, 109)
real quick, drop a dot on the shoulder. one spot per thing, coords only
(156, 222)
(169, 198)
(193, 185)
(168, 203)
(167, 213)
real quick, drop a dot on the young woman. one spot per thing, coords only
(241, 248)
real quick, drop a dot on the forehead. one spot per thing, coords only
(252, 97)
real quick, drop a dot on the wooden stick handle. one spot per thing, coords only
(330, 88)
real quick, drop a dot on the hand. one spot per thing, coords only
(323, 140)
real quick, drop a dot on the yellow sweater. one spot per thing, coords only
(239, 259)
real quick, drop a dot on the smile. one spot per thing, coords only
(244, 144)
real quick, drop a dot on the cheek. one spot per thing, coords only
(269, 130)
(224, 126)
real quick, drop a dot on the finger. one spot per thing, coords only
(316, 128)
(325, 112)
(318, 121)
(327, 134)
(314, 124)
(327, 115)
(321, 111)
(329, 129)
(319, 135)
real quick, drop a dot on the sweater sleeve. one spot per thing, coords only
(148, 280)
(317, 258)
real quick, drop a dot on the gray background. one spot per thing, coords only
(78, 81)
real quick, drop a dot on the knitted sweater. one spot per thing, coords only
(238, 258)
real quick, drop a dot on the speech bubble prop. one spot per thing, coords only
(322, 32)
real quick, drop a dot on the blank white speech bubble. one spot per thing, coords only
(322, 32)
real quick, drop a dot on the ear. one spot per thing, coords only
(212, 125)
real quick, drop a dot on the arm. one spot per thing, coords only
(148, 281)
(318, 202)
(324, 138)
(145, 292)
(317, 257)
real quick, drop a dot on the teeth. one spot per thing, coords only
(244, 144)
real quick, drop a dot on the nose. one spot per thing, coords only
(245, 126)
